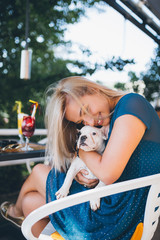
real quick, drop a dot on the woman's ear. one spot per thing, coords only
(105, 131)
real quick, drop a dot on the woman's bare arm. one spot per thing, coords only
(127, 132)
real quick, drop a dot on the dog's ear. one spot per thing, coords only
(78, 134)
(105, 131)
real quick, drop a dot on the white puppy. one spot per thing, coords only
(90, 139)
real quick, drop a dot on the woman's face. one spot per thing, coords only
(96, 105)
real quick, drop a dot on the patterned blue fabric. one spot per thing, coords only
(119, 214)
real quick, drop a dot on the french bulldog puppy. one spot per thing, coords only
(90, 139)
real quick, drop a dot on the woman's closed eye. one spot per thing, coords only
(84, 110)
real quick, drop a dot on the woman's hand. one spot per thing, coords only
(80, 178)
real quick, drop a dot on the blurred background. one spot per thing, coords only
(88, 38)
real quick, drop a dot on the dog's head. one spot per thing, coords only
(92, 138)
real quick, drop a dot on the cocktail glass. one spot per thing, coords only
(28, 127)
(20, 120)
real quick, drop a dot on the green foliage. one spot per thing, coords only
(118, 63)
(135, 82)
(150, 79)
(11, 179)
(120, 86)
(47, 23)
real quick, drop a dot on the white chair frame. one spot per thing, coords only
(151, 216)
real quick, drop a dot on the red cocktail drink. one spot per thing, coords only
(28, 127)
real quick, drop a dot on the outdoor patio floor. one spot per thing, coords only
(9, 232)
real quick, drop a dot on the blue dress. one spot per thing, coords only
(119, 214)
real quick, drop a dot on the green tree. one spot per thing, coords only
(118, 63)
(149, 80)
(47, 23)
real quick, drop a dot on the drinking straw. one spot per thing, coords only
(35, 105)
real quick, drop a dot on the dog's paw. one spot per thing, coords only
(95, 204)
(61, 193)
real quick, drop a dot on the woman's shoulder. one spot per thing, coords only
(136, 105)
(132, 97)
(133, 101)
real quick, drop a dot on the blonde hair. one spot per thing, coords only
(60, 147)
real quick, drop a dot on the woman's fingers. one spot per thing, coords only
(80, 178)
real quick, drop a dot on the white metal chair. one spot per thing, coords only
(150, 218)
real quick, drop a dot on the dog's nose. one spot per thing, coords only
(83, 138)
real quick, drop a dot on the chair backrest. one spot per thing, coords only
(152, 210)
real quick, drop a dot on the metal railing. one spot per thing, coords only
(14, 132)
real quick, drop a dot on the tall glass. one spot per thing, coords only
(28, 127)
(20, 120)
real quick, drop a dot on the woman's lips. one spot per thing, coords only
(100, 122)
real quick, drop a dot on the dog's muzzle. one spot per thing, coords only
(82, 140)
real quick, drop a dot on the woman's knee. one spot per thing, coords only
(39, 170)
(38, 178)
(31, 201)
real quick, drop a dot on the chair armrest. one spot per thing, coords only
(82, 197)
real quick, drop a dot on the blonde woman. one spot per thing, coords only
(132, 151)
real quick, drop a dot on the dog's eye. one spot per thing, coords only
(94, 133)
